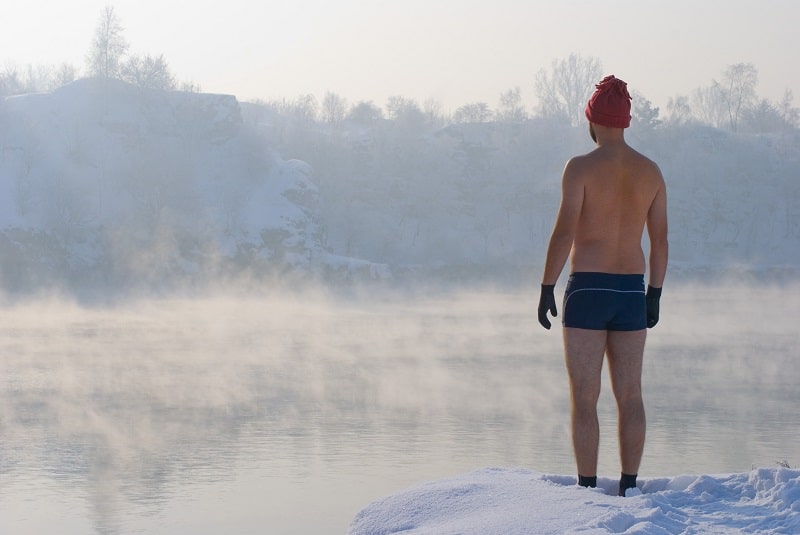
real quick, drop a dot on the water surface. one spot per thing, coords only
(278, 414)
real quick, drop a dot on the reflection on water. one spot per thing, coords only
(287, 415)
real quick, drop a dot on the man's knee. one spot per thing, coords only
(585, 399)
(629, 398)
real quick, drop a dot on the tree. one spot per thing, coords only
(405, 111)
(190, 86)
(766, 117)
(789, 114)
(305, 108)
(64, 74)
(148, 72)
(762, 118)
(679, 111)
(365, 113)
(432, 109)
(35, 78)
(739, 90)
(564, 91)
(10, 83)
(709, 104)
(510, 108)
(334, 108)
(477, 112)
(643, 113)
(108, 46)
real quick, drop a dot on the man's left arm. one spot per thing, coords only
(659, 252)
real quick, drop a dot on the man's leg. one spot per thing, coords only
(584, 350)
(625, 350)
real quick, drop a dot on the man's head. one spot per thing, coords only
(610, 104)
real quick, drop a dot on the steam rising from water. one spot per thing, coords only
(136, 406)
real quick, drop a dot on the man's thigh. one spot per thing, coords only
(625, 350)
(584, 350)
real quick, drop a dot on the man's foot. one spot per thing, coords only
(587, 481)
(626, 481)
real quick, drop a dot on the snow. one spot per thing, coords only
(97, 175)
(125, 182)
(518, 501)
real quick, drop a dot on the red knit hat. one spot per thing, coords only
(610, 104)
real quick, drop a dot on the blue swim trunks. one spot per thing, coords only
(605, 302)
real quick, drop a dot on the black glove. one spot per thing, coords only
(652, 297)
(547, 302)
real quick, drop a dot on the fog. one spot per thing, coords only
(107, 189)
(136, 416)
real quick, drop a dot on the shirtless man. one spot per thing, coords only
(608, 198)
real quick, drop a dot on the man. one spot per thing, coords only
(608, 198)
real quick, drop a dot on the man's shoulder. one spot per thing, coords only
(642, 156)
(583, 159)
(650, 165)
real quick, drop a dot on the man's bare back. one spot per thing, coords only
(609, 196)
(619, 186)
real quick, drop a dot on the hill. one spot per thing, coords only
(105, 187)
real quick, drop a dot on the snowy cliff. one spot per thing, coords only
(104, 184)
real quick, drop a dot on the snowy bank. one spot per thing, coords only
(515, 501)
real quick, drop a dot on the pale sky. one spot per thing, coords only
(456, 52)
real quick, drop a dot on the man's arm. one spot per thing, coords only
(566, 224)
(657, 233)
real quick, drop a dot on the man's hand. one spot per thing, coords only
(652, 297)
(547, 303)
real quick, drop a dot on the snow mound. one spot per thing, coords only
(516, 501)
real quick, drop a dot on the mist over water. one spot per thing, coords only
(294, 411)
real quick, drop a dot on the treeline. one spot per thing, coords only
(416, 192)
(107, 57)
(730, 102)
(562, 91)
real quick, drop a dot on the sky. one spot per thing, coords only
(452, 52)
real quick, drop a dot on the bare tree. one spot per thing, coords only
(64, 74)
(190, 86)
(564, 91)
(148, 72)
(432, 109)
(304, 108)
(108, 46)
(35, 78)
(477, 112)
(739, 90)
(334, 108)
(10, 83)
(405, 111)
(679, 111)
(510, 108)
(709, 104)
(789, 113)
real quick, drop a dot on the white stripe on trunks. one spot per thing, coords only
(573, 292)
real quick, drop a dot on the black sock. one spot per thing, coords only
(626, 481)
(586, 481)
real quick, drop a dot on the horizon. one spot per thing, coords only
(420, 51)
